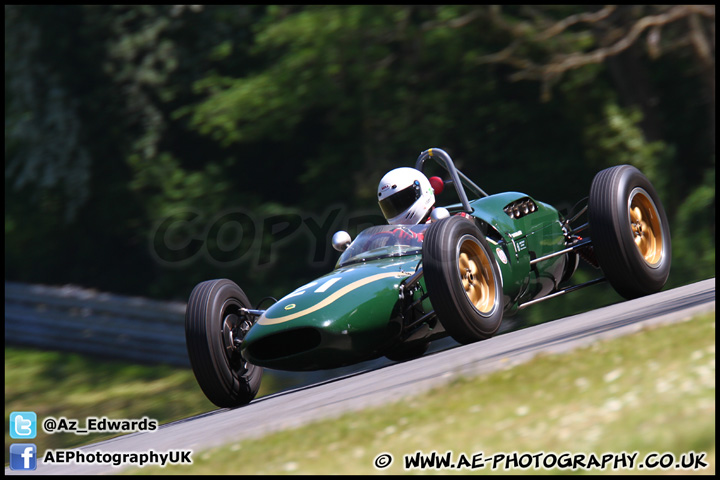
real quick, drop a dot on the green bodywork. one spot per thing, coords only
(521, 240)
(355, 313)
(344, 317)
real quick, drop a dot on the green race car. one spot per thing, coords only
(396, 288)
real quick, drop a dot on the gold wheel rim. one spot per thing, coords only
(645, 226)
(477, 275)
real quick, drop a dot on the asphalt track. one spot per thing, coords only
(389, 383)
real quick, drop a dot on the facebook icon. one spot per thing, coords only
(23, 456)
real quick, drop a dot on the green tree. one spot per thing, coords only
(122, 119)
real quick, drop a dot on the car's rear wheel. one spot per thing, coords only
(463, 279)
(630, 231)
(214, 329)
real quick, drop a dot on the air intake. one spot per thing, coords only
(520, 208)
(284, 344)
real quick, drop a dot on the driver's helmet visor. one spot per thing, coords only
(398, 202)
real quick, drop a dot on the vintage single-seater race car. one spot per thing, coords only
(396, 288)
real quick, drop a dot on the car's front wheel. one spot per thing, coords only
(463, 279)
(630, 231)
(214, 329)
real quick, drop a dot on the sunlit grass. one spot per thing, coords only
(652, 391)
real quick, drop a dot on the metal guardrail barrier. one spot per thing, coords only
(86, 321)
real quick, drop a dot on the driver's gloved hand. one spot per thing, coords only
(405, 236)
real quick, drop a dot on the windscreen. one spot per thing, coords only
(384, 241)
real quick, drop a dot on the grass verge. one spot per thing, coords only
(651, 391)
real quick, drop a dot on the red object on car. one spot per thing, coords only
(437, 184)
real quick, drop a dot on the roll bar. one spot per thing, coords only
(458, 178)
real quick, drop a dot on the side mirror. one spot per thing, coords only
(341, 241)
(438, 214)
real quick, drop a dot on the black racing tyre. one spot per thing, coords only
(462, 279)
(630, 231)
(404, 353)
(212, 323)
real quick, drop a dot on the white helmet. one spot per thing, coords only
(405, 196)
